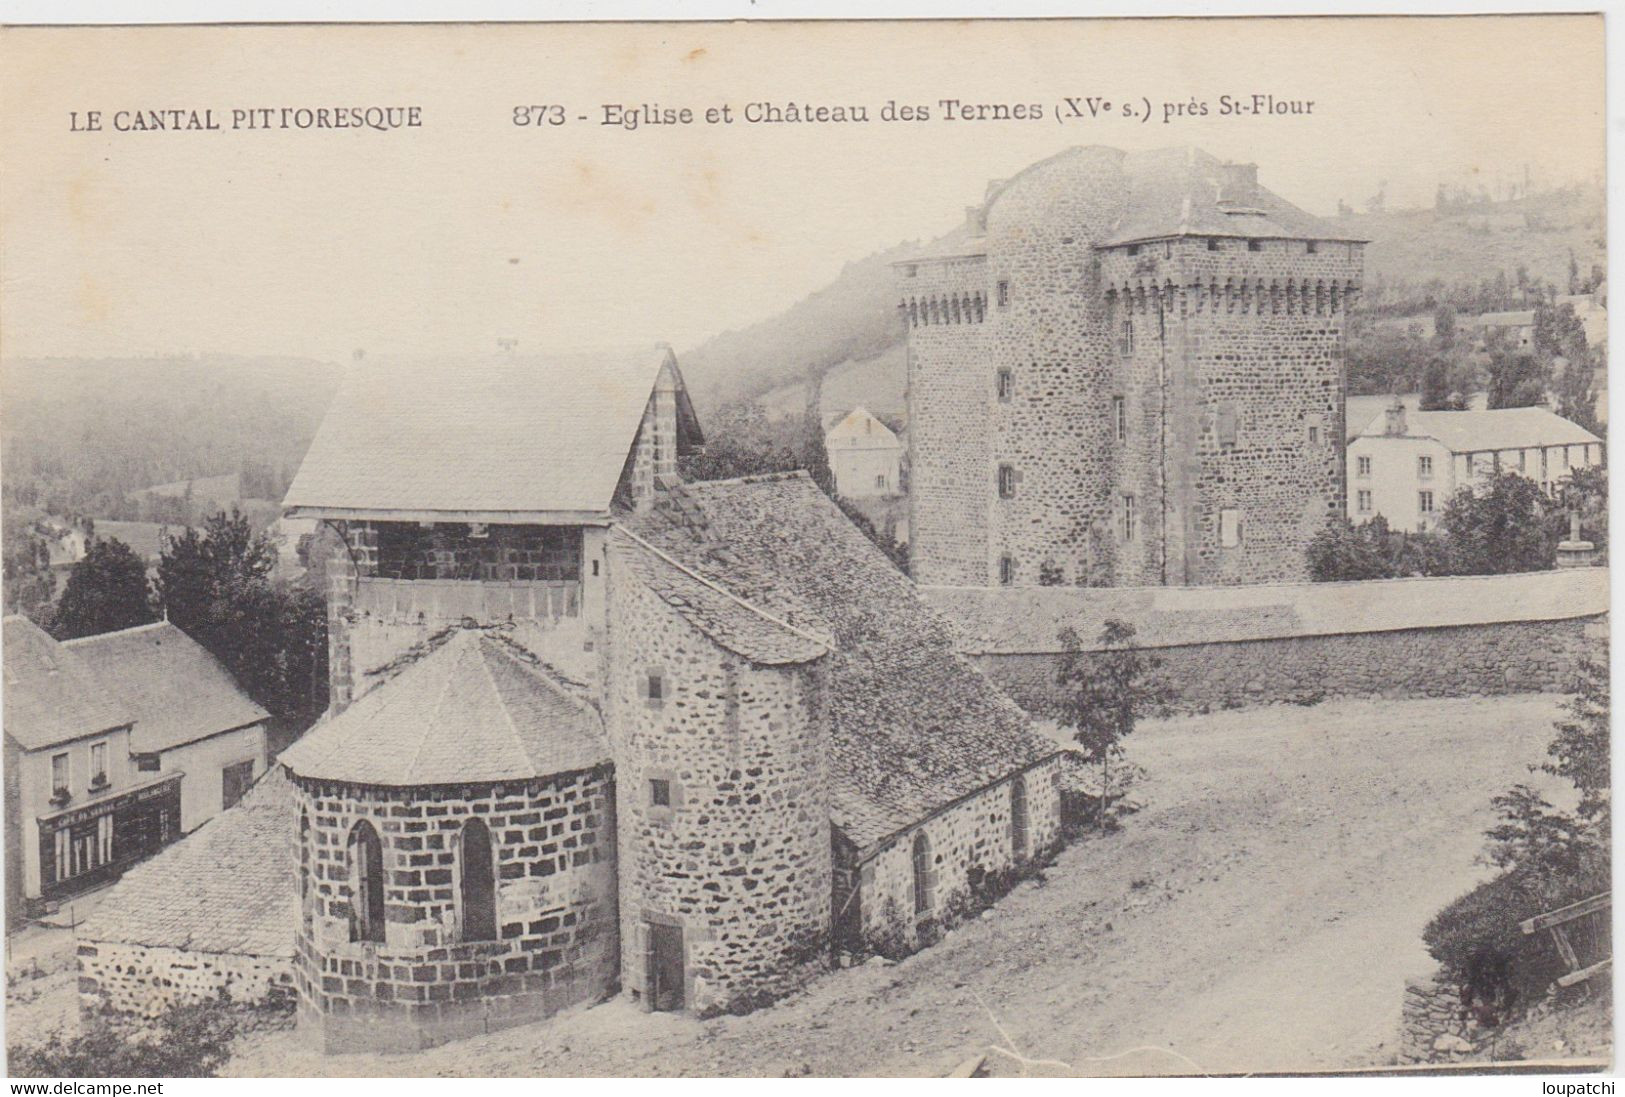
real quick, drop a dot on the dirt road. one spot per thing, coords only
(1260, 913)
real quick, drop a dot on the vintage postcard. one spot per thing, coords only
(983, 548)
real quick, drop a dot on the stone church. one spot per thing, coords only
(593, 729)
(1126, 369)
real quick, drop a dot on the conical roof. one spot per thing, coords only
(475, 709)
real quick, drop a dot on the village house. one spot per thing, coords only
(114, 746)
(1516, 325)
(865, 456)
(593, 728)
(191, 716)
(1407, 464)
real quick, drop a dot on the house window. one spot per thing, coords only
(98, 764)
(1363, 465)
(659, 792)
(1125, 341)
(366, 884)
(1229, 528)
(1424, 502)
(1018, 817)
(1007, 482)
(1006, 384)
(922, 875)
(1007, 570)
(1523, 460)
(148, 763)
(59, 773)
(880, 481)
(477, 888)
(1128, 517)
(1255, 245)
(1565, 456)
(1003, 294)
(1364, 501)
(1424, 467)
(1120, 417)
(234, 781)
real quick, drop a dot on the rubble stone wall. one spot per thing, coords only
(147, 979)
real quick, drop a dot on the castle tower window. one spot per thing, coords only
(654, 688)
(1224, 424)
(1125, 340)
(1019, 822)
(1129, 518)
(1134, 249)
(1310, 247)
(659, 792)
(1004, 294)
(1212, 243)
(1007, 482)
(366, 884)
(1006, 384)
(923, 876)
(478, 886)
(1255, 245)
(1229, 528)
(1120, 418)
(981, 307)
(1007, 571)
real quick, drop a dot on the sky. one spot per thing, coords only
(469, 229)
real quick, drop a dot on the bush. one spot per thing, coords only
(185, 1041)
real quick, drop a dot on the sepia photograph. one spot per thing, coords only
(991, 548)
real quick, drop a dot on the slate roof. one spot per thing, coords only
(914, 727)
(51, 694)
(491, 435)
(1483, 431)
(474, 708)
(1016, 620)
(230, 886)
(727, 619)
(178, 692)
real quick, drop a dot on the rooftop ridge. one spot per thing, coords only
(148, 627)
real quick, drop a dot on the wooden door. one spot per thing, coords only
(665, 967)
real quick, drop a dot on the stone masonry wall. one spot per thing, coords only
(1455, 661)
(950, 389)
(554, 853)
(147, 979)
(740, 856)
(973, 834)
(1434, 1028)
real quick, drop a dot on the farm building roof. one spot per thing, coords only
(913, 726)
(471, 707)
(1486, 431)
(177, 691)
(52, 695)
(229, 887)
(487, 438)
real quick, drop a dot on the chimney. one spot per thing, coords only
(1393, 424)
(976, 219)
(1238, 184)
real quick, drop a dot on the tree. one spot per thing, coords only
(1579, 752)
(1344, 551)
(814, 455)
(743, 441)
(215, 586)
(1498, 527)
(1585, 491)
(107, 590)
(1517, 379)
(1104, 694)
(1439, 392)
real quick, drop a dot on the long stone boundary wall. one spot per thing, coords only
(1302, 642)
(145, 979)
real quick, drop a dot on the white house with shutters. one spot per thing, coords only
(1405, 465)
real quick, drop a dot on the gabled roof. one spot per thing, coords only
(913, 726)
(178, 692)
(473, 708)
(51, 694)
(491, 438)
(860, 429)
(1177, 192)
(231, 886)
(1484, 431)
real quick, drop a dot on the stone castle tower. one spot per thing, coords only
(1129, 372)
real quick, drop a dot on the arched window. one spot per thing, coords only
(1018, 817)
(478, 890)
(922, 875)
(366, 884)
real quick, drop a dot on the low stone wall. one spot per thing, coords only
(146, 979)
(1463, 661)
(1434, 1028)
